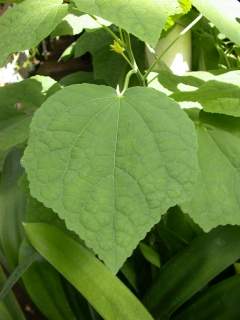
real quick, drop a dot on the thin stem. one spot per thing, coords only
(106, 28)
(182, 33)
(126, 43)
(128, 61)
(132, 58)
(121, 34)
(126, 83)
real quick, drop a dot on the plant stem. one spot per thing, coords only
(121, 34)
(128, 61)
(132, 58)
(115, 37)
(127, 79)
(127, 44)
(182, 33)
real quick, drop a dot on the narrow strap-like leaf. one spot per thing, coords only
(17, 273)
(3, 260)
(150, 254)
(10, 304)
(192, 269)
(104, 291)
(220, 302)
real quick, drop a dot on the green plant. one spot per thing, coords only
(116, 201)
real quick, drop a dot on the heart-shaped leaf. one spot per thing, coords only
(110, 165)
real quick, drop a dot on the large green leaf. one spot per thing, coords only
(224, 14)
(110, 165)
(192, 269)
(26, 24)
(144, 19)
(97, 284)
(216, 195)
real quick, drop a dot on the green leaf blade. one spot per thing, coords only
(224, 14)
(216, 195)
(189, 271)
(214, 97)
(100, 287)
(27, 23)
(110, 165)
(144, 19)
(207, 306)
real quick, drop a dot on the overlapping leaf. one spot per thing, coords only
(107, 65)
(72, 25)
(110, 165)
(26, 24)
(18, 101)
(12, 207)
(216, 195)
(215, 97)
(144, 19)
(214, 93)
(224, 14)
(105, 292)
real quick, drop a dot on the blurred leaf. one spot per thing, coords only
(99, 286)
(205, 54)
(224, 14)
(4, 314)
